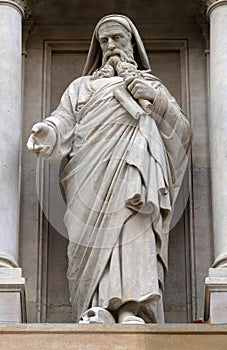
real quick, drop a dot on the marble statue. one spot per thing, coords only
(126, 141)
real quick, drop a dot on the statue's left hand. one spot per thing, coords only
(140, 88)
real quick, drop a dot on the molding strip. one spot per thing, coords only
(17, 4)
(212, 4)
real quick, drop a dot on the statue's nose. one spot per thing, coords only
(111, 45)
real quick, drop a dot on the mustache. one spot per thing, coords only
(120, 68)
(123, 55)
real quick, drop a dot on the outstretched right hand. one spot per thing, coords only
(42, 139)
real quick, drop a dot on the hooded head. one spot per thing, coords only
(94, 58)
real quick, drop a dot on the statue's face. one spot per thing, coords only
(114, 36)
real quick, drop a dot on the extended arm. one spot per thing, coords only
(52, 139)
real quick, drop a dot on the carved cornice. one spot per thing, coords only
(208, 3)
(22, 3)
(28, 25)
(204, 26)
(202, 20)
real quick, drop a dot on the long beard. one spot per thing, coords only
(116, 63)
(125, 55)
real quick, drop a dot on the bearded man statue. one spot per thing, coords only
(126, 142)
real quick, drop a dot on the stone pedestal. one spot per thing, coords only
(11, 282)
(12, 296)
(216, 296)
(103, 337)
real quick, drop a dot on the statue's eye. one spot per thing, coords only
(103, 41)
(117, 37)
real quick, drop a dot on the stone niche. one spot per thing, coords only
(56, 50)
(167, 65)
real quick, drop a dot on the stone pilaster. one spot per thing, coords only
(216, 283)
(11, 282)
(217, 11)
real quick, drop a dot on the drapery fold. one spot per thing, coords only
(121, 182)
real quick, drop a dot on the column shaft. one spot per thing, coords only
(10, 97)
(12, 284)
(218, 127)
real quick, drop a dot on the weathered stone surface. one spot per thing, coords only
(103, 337)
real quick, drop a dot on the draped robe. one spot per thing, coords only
(121, 181)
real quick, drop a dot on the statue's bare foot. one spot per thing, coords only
(97, 315)
(127, 314)
(132, 320)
